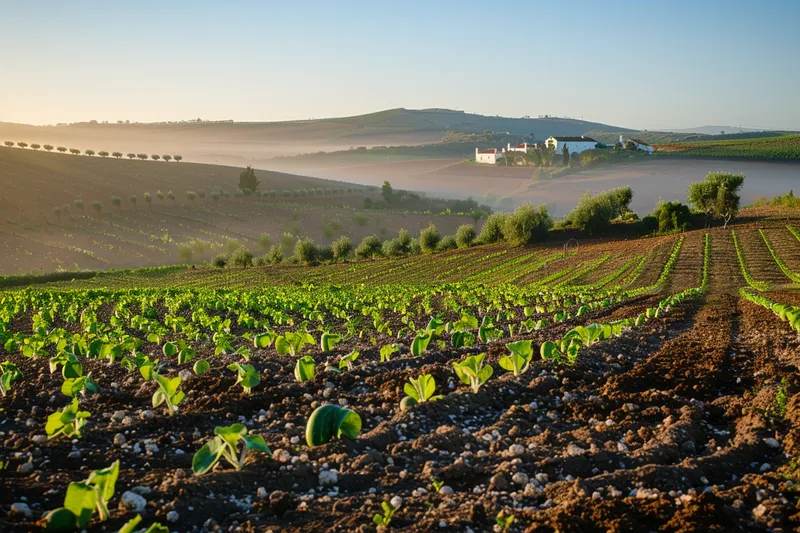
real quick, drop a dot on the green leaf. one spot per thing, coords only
(257, 443)
(206, 457)
(201, 366)
(328, 341)
(263, 340)
(420, 342)
(282, 346)
(105, 480)
(549, 351)
(329, 421)
(305, 368)
(81, 500)
(169, 349)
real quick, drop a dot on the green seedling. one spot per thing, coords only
(385, 518)
(305, 369)
(83, 499)
(168, 393)
(225, 445)
(331, 421)
(520, 358)
(387, 352)
(67, 422)
(419, 390)
(200, 367)
(348, 360)
(503, 521)
(291, 343)
(8, 374)
(246, 375)
(471, 371)
(82, 385)
(328, 341)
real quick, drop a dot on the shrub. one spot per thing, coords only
(275, 255)
(448, 242)
(220, 261)
(305, 251)
(360, 219)
(369, 247)
(391, 248)
(342, 248)
(527, 224)
(241, 257)
(429, 239)
(465, 235)
(717, 195)
(367, 203)
(324, 253)
(594, 213)
(672, 216)
(265, 241)
(185, 252)
(492, 230)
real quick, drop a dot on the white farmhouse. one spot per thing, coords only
(489, 156)
(575, 145)
(643, 146)
(521, 147)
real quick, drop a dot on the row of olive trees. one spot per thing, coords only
(102, 153)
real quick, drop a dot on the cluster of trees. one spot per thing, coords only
(101, 153)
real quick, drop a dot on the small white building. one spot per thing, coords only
(643, 146)
(575, 145)
(521, 147)
(489, 156)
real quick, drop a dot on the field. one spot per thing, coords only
(780, 148)
(640, 385)
(35, 236)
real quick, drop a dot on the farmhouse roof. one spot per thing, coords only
(488, 151)
(575, 139)
(637, 141)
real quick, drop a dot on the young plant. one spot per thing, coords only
(180, 349)
(225, 444)
(82, 385)
(168, 393)
(291, 343)
(488, 331)
(471, 371)
(386, 518)
(347, 360)
(246, 375)
(8, 374)
(305, 369)
(520, 358)
(200, 367)
(387, 351)
(264, 340)
(420, 342)
(130, 526)
(331, 421)
(83, 498)
(67, 422)
(503, 522)
(328, 341)
(419, 390)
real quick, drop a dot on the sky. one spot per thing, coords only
(647, 64)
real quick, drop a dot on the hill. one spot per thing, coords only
(50, 223)
(666, 137)
(780, 148)
(241, 143)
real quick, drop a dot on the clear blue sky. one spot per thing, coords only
(642, 64)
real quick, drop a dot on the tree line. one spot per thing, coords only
(89, 152)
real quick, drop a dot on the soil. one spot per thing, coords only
(673, 427)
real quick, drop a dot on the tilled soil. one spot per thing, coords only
(676, 426)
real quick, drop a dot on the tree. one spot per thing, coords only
(492, 230)
(36, 146)
(191, 195)
(148, 199)
(97, 206)
(717, 195)
(248, 180)
(131, 156)
(132, 199)
(117, 202)
(160, 195)
(117, 154)
(9, 143)
(527, 224)
(166, 157)
(565, 155)
(671, 216)
(142, 156)
(62, 149)
(79, 204)
(264, 241)
(387, 192)
(103, 153)
(171, 196)
(465, 235)
(305, 251)
(155, 157)
(429, 238)
(177, 158)
(90, 153)
(370, 247)
(74, 151)
(342, 248)
(594, 213)
(22, 144)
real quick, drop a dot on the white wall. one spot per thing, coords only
(575, 147)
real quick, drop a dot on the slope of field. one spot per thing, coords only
(680, 413)
(35, 236)
(780, 148)
(245, 143)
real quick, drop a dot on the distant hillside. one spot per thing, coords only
(241, 143)
(717, 130)
(781, 148)
(665, 137)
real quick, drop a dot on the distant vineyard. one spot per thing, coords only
(784, 147)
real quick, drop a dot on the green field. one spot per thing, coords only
(781, 148)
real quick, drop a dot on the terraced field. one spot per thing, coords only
(641, 385)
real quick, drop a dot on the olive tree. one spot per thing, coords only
(116, 201)
(717, 195)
